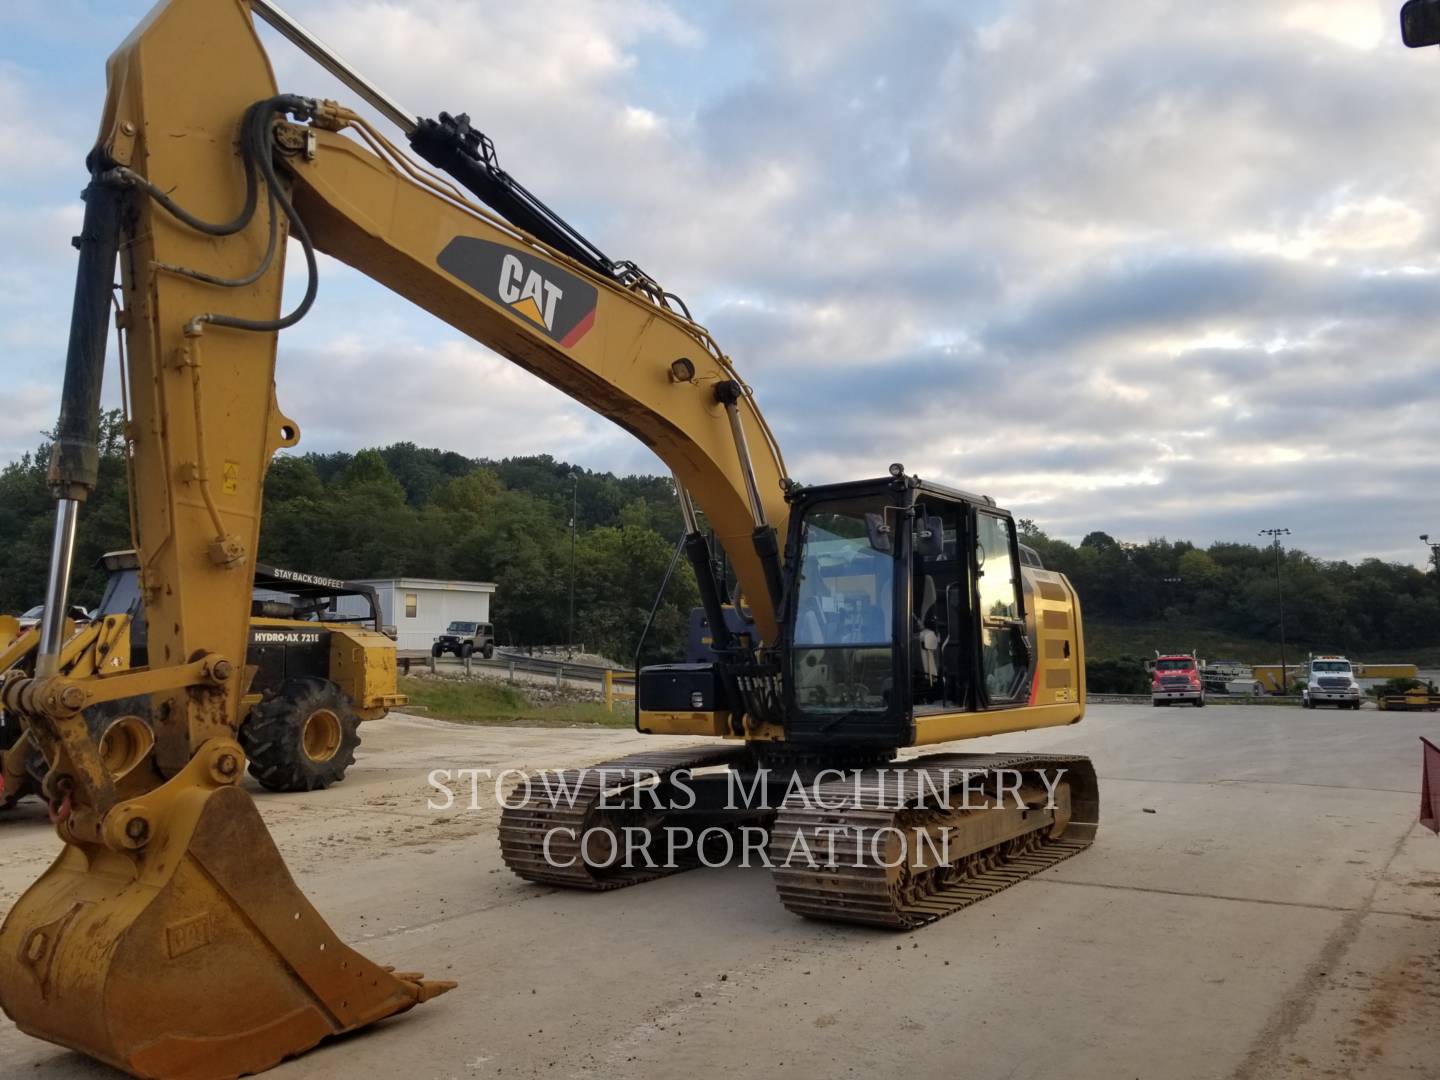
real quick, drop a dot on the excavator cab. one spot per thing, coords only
(909, 614)
(906, 607)
(904, 600)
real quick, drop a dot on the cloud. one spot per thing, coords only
(27, 146)
(1155, 268)
(359, 391)
(28, 414)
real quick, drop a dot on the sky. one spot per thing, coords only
(1154, 267)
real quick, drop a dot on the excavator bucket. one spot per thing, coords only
(168, 939)
(193, 956)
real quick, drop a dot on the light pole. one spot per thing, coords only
(1275, 535)
(1171, 581)
(574, 524)
(1434, 551)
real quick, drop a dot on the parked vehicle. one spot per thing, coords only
(32, 617)
(1408, 695)
(1229, 677)
(1176, 678)
(464, 639)
(315, 676)
(1330, 681)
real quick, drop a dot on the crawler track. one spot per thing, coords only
(856, 880)
(855, 885)
(566, 818)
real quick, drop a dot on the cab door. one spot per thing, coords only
(941, 638)
(1005, 653)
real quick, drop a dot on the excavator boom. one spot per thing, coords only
(168, 938)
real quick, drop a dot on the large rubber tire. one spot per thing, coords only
(489, 652)
(466, 650)
(302, 737)
(99, 719)
(436, 650)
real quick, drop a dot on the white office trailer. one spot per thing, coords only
(421, 608)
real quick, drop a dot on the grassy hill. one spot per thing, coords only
(1106, 640)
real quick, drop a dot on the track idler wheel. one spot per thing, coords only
(181, 946)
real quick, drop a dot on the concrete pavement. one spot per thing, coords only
(1258, 904)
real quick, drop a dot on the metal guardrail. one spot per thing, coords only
(619, 686)
(1210, 699)
(504, 661)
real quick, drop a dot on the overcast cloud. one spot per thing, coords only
(1158, 268)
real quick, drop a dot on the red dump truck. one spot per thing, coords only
(1175, 679)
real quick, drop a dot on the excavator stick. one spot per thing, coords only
(195, 956)
(168, 938)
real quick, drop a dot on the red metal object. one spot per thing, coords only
(1430, 787)
(1192, 672)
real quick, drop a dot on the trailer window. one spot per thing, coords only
(412, 605)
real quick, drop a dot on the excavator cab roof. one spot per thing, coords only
(895, 481)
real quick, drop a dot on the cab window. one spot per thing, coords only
(939, 611)
(1004, 648)
(844, 650)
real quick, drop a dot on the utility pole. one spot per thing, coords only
(1275, 535)
(1170, 582)
(1434, 551)
(574, 524)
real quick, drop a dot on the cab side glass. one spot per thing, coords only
(1004, 658)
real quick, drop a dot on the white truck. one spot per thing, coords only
(1330, 681)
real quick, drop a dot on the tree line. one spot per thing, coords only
(1350, 607)
(406, 510)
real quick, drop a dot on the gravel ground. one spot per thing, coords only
(1258, 904)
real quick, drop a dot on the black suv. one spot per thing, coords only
(465, 638)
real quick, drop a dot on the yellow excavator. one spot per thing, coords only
(168, 938)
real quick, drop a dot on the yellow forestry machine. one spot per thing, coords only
(168, 937)
(314, 676)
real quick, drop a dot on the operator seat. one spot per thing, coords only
(926, 640)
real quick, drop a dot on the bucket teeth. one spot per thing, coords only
(424, 989)
(194, 957)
